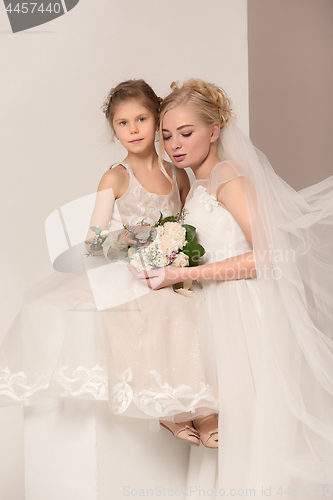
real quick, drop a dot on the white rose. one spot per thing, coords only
(131, 252)
(175, 232)
(160, 230)
(173, 238)
(105, 232)
(181, 260)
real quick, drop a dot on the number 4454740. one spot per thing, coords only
(30, 7)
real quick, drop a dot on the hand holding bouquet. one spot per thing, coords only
(167, 242)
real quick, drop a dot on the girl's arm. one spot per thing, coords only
(109, 189)
(232, 195)
(235, 268)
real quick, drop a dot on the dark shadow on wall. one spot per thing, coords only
(291, 81)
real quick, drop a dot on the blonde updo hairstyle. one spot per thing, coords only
(208, 101)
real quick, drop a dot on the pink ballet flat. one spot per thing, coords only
(183, 432)
(209, 439)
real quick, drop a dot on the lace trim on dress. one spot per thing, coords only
(16, 387)
(163, 401)
(83, 383)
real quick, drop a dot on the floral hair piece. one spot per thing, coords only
(106, 104)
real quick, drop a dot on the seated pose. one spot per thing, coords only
(267, 277)
(150, 354)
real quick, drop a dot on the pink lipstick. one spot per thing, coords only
(179, 157)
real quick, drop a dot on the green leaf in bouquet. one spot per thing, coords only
(158, 223)
(96, 230)
(170, 218)
(162, 220)
(180, 216)
(194, 251)
(95, 248)
(153, 234)
(190, 232)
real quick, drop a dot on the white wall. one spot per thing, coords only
(55, 145)
(54, 79)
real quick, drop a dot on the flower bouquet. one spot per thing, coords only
(167, 242)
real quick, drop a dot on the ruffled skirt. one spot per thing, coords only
(151, 357)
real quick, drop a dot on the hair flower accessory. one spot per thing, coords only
(106, 104)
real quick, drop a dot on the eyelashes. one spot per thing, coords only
(184, 135)
(141, 120)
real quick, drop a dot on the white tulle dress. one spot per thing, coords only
(273, 340)
(149, 357)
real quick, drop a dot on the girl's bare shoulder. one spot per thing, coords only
(115, 178)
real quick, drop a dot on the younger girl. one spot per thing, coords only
(146, 353)
(267, 277)
(159, 360)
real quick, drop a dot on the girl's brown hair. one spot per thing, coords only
(132, 89)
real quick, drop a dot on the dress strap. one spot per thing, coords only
(126, 165)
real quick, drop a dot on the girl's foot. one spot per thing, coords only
(183, 431)
(208, 431)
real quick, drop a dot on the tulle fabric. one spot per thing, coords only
(147, 353)
(276, 395)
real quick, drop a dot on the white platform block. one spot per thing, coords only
(11, 453)
(79, 450)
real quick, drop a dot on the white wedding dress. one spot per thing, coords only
(147, 358)
(274, 439)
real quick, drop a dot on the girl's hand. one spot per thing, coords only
(158, 278)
